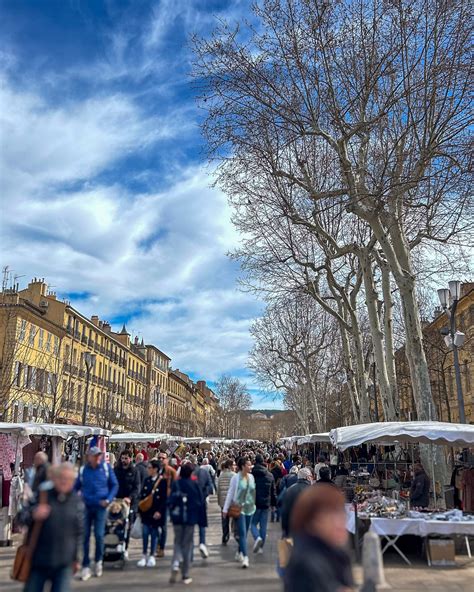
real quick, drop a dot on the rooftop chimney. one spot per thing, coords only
(95, 320)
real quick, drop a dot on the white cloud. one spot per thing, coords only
(159, 256)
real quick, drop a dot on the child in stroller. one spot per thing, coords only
(116, 530)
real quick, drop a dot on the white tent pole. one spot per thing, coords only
(433, 478)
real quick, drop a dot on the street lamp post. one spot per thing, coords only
(449, 298)
(89, 360)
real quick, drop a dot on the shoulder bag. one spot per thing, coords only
(235, 509)
(22, 563)
(146, 504)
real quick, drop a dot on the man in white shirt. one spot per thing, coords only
(321, 463)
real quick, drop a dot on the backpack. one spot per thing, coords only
(178, 503)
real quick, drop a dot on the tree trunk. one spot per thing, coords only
(350, 375)
(388, 332)
(419, 374)
(371, 299)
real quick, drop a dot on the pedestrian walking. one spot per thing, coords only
(169, 475)
(223, 484)
(141, 465)
(325, 476)
(98, 486)
(187, 509)
(241, 496)
(152, 511)
(265, 498)
(37, 474)
(129, 486)
(203, 475)
(321, 463)
(57, 524)
(290, 497)
(276, 469)
(319, 561)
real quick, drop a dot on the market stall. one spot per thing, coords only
(19, 442)
(390, 517)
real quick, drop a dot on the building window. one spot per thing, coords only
(17, 376)
(41, 339)
(56, 345)
(31, 373)
(31, 338)
(48, 342)
(40, 380)
(22, 333)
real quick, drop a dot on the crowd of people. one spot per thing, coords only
(252, 486)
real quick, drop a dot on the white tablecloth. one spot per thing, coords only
(419, 527)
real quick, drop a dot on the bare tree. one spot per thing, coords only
(356, 103)
(234, 398)
(294, 352)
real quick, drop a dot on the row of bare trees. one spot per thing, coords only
(341, 132)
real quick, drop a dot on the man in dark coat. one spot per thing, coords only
(59, 516)
(420, 488)
(188, 509)
(291, 495)
(129, 488)
(204, 480)
(128, 479)
(265, 497)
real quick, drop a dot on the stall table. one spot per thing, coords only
(392, 529)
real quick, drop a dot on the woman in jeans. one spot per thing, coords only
(242, 493)
(153, 518)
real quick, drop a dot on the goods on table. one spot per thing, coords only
(379, 506)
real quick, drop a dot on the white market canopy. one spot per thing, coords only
(140, 437)
(427, 432)
(289, 440)
(49, 429)
(312, 438)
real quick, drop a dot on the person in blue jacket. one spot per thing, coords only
(98, 486)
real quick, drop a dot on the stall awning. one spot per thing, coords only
(139, 437)
(427, 432)
(312, 438)
(48, 429)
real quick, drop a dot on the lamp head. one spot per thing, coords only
(455, 289)
(443, 295)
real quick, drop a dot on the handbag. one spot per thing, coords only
(235, 509)
(146, 503)
(285, 547)
(22, 563)
(137, 528)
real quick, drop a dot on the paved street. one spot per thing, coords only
(220, 573)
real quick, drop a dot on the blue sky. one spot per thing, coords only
(106, 192)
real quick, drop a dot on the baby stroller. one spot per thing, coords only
(117, 524)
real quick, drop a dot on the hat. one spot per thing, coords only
(94, 451)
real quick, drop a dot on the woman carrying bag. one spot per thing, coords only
(240, 504)
(152, 512)
(55, 529)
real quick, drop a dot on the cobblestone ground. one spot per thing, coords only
(220, 573)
